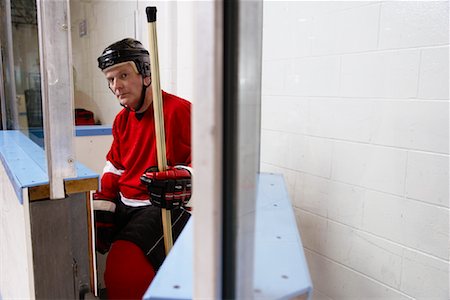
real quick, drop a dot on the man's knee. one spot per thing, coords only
(128, 272)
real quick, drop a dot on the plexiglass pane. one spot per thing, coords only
(22, 103)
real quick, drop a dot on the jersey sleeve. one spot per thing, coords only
(113, 170)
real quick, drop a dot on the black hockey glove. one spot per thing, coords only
(168, 189)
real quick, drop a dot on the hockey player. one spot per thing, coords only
(128, 223)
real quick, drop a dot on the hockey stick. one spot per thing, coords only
(159, 118)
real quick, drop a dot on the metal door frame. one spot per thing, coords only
(226, 138)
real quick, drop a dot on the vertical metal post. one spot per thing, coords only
(229, 151)
(226, 123)
(11, 116)
(207, 124)
(173, 49)
(248, 138)
(242, 102)
(2, 92)
(57, 91)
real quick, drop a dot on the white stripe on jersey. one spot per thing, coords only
(134, 202)
(104, 205)
(109, 168)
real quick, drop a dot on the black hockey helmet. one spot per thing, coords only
(126, 50)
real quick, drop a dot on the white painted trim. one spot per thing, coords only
(207, 150)
(93, 251)
(55, 51)
(27, 218)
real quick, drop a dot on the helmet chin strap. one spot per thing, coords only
(141, 102)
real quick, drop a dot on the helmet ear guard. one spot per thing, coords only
(126, 50)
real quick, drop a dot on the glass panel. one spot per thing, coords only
(95, 25)
(20, 66)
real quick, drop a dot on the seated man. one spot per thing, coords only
(128, 223)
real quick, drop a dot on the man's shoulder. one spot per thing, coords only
(121, 115)
(174, 99)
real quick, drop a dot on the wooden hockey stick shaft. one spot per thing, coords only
(159, 118)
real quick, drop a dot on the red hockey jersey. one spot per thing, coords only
(134, 149)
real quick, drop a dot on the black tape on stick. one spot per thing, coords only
(151, 14)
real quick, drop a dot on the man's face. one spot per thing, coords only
(125, 83)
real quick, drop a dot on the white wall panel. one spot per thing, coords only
(309, 154)
(433, 81)
(363, 86)
(375, 257)
(337, 201)
(273, 147)
(273, 74)
(91, 151)
(420, 125)
(352, 30)
(427, 178)
(313, 76)
(16, 261)
(289, 114)
(411, 223)
(273, 38)
(392, 74)
(424, 276)
(342, 119)
(342, 282)
(378, 168)
(413, 23)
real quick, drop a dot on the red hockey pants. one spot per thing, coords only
(128, 272)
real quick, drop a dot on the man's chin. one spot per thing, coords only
(124, 102)
(127, 104)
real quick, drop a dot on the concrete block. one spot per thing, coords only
(341, 118)
(287, 114)
(427, 178)
(310, 155)
(378, 168)
(341, 282)
(413, 23)
(434, 78)
(346, 31)
(424, 277)
(421, 125)
(411, 223)
(274, 148)
(314, 76)
(391, 74)
(334, 200)
(273, 74)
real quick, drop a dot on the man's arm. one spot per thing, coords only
(105, 198)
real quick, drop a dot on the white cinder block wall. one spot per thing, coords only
(109, 21)
(355, 114)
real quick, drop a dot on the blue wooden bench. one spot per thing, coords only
(26, 165)
(280, 269)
